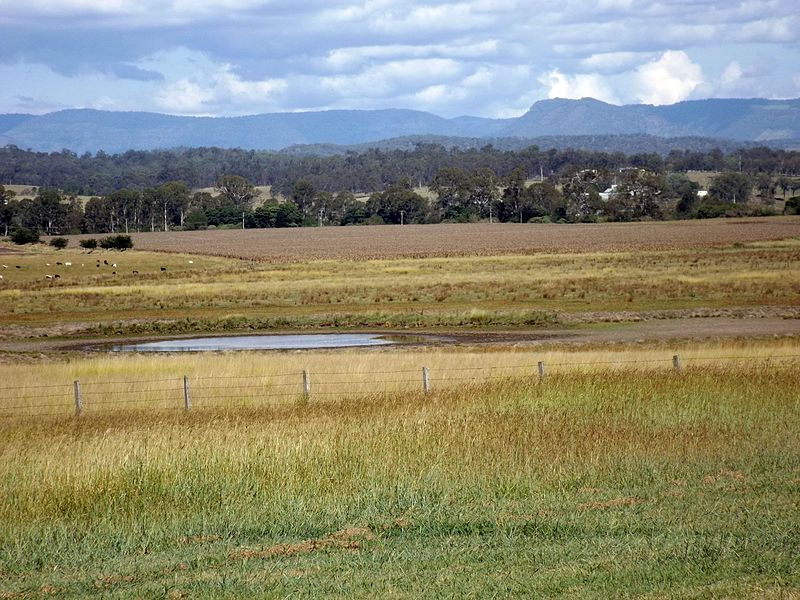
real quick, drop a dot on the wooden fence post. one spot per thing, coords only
(426, 380)
(541, 370)
(187, 398)
(306, 385)
(676, 362)
(78, 399)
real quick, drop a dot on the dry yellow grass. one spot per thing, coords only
(473, 290)
(220, 380)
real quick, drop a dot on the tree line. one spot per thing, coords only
(455, 195)
(360, 173)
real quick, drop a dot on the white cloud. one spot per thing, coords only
(440, 94)
(396, 77)
(666, 79)
(612, 62)
(483, 57)
(351, 57)
(732, 73)
(443, 18)
(582, 85)
(781, 29)
(222, 88)
(669, 79)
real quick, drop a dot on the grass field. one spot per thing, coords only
(613, 476)
(254, 379)
(585, 485)
(203, 293)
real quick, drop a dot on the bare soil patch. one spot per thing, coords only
(482, 239)
(346, 539)
(615, 503)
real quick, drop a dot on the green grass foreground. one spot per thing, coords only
(585, 485)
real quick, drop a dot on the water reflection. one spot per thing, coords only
(260, 342)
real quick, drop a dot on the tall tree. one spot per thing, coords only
(452, 187)
(637, 196)
(303, 194)
(125, 205)
(236, 190)
(7, 209)
(510, 207)
(731, 187)
(582, 197)
(173, 198)
(484, 192)
(399, 204)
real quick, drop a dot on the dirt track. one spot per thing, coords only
(645, 331)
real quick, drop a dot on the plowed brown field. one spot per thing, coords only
(392, 241)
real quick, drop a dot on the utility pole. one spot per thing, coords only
(402, 214)
(320, 216)
(242, 220)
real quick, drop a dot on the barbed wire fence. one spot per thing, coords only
(205, 392)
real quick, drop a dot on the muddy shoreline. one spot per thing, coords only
(632, 332)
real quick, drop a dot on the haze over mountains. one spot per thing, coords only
(773, 122)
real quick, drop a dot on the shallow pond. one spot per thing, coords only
(261, 342)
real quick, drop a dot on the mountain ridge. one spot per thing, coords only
(90, 130)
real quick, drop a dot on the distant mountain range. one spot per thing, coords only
(770, 122)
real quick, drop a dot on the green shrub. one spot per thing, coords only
(196, 219)
(792, 206)
(23, 235)
(116, 242)
(711, 211)
(59, 243)
(88, 244)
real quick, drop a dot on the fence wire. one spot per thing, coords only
(208, 389)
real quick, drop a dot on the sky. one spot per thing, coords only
(488, 58)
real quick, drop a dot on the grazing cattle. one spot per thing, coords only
(67, 264)
(18, 266)
(5, 266)
(163, 268)
(105, 262)
(191, 262)
(113, 272)
(136, 272)
(97, 265)
(58, 263)
(57, 276)
(114, 265)
(1, 276)
(46, 264)
(48, 276)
